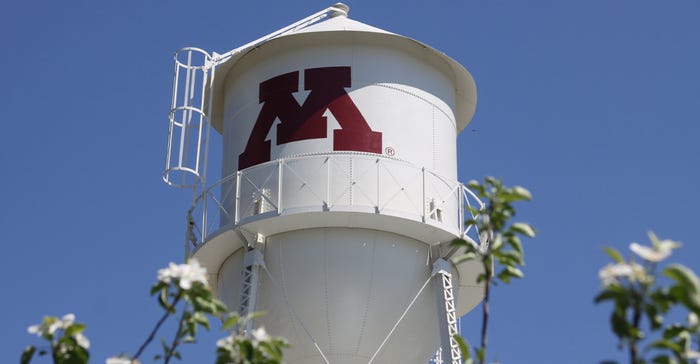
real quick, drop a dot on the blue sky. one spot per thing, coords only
(592, 105)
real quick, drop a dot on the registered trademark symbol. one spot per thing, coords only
(389, 151)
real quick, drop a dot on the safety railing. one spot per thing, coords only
(340, 181)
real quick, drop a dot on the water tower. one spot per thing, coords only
(339, 192)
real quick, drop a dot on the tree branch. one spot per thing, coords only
(155, 329)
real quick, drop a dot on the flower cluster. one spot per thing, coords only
(641, 301)
(633, 272)
(48, 328)
(257, 336)
(255, 346)
(67, 344)
(183, 274)
(612, 272)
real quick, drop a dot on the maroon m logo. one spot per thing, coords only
(302, 122)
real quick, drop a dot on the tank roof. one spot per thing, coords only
(340, 28)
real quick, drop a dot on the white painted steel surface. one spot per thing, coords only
(351, 223)
(406, 98)
(344, 289)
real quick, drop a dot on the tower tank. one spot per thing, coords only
(339, 194)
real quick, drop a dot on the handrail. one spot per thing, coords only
(378, 185)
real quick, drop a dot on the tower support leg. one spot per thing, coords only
(447, 315)
(252, 261)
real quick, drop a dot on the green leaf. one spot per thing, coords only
(201, 319)
(514, 242)
(515, 272)
(664, 359)
(163, 298)
(673, 331)
(464, 257)
(75, 329)
(230, 322)
(254, 315)
(524, 229)
(463, 346)
(614, 254)
(620, 326)
(219, 305)
(471, 222)
(666, 344)
(504, 277)
(687, 288)
(157, 287)
(655, 320)
(475, 186)
(480, 354)
(27, 354)
(684, 276)
(613, 292)
(662, 300)
(164, 344)
(510, 272)
(510, 258)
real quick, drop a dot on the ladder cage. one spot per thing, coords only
(188, 131)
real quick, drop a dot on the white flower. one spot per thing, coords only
(54, 326)
(82, 341)
(659, 250)
(185, 274)
(649, 254)
(259, 335)
(165, 275)
(118, 360)
(191, 273)
(611, 272)
(34, 329)
(225, 342)
(692, 319)
(67, 320)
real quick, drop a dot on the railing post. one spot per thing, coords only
(424, 197)
(236, 218)
(205, 213)
(329, 160)
(461, 196)
(379, 186)
(280, 166)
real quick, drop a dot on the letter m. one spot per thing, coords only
(303, 122)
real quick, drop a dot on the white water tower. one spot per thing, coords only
(339, 195)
